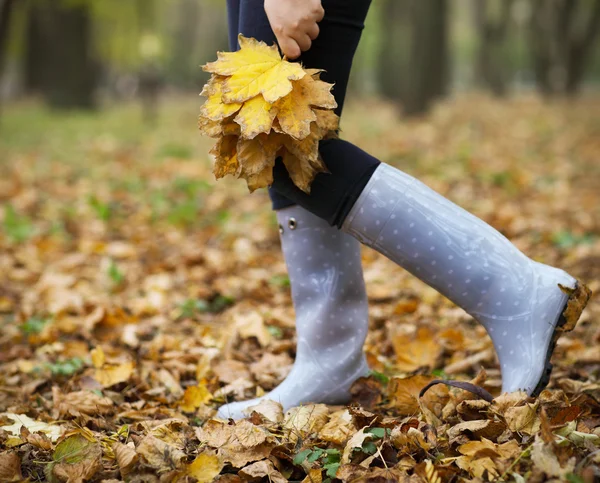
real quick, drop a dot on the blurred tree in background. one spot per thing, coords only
(82, 53)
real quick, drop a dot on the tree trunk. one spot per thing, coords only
(6, 10)
(429, 66)
(492, 68)
(580, 52)
(392, 58)
(59, 61)
(560, 46)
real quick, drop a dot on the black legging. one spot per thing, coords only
(332, 194)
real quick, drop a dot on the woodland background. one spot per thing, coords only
(137, 294)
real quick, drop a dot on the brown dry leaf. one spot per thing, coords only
(126, 457)
(483, 456)
(327, 120)
(271, 369)
(300, 421)
(225, 157)
(237, 444)
(302, 171)
(350, 472)
(10, 467)
(159, 455)
(170, 431)
(252, 324)
(229, 370)
(314, 475)
(109, 374)
(39, 439)
(403, 394)
(523, 419)
(194, 397)
(417, 350)
(76, 459)
(507, 450)
(239, 456)
(483, 428)
(409, 440)
(471, 409)
(269, 409)
(578, 299)
(479, 467)
(81, 402)
(215, 433)
(262, 469)
(211, 128)
(339, 428)
(248, 434)
(296, 111)
(306, 149)
(255, 166)
(546, 461)
(205, 467)
(508, 400)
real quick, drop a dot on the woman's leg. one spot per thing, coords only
(324, 267)
(233, 22)
(518, 301)
(333, 50)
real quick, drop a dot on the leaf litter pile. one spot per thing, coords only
(136, 296)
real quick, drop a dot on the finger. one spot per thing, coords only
(303, 40)
(319, 13)
(313, 31)
(289, 47)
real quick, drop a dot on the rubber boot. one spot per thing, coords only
(328, 292)
(517, 300)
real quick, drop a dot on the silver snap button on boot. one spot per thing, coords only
(292, 223)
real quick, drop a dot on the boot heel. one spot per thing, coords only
(571, 312)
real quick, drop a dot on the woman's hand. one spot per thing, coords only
(294, 23)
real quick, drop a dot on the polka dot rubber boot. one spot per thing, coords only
(330, 302)
(517, 300)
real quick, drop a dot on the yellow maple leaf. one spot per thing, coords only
(255, 69)
(225, 155)
(326, 120)
(255, 117)
(205, 467)
(416, 350)
(305, 149)
(256, 164)
(109, 374)
(296, 111)
(318, 92)
(215, 108)
(194, 397)
(209, 128)
(259, 107)
(302, 171)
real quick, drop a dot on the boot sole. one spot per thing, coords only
(571, 311)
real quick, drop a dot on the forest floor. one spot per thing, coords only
(137, 294)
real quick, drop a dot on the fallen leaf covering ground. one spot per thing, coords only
(136, 295)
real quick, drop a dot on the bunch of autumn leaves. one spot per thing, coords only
(259, 107)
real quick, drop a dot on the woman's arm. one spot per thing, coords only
(295, 23)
